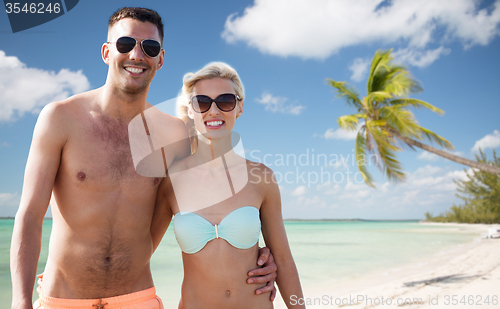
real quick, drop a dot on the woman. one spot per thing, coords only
(220, 201)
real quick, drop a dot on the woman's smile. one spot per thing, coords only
(214, 123)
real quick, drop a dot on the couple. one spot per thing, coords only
(107, 219)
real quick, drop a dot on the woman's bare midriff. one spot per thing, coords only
(215, 277)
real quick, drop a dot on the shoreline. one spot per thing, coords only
(471, 271)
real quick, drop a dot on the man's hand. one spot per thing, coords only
(266, 273)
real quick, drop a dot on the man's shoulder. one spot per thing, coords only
(161, 119)
(165, 129)
(56, 122)
(61, 116)
(70, 105)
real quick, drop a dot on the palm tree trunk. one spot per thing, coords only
(474, 164)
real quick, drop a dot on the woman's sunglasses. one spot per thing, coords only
(125, 44)
(225, 102)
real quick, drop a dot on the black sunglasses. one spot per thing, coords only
(150, 47)
(225, 102)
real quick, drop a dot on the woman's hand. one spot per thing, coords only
(266, 273)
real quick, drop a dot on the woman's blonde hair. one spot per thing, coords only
(211, 70)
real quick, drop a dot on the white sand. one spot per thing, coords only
(471, 272)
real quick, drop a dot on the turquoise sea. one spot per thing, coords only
(326, 252)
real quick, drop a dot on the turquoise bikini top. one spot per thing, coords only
(240, 228)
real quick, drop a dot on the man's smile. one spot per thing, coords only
(135, 69)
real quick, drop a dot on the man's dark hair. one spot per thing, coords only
(141, 14)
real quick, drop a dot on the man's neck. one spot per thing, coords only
(120, 105)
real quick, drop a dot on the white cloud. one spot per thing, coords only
(427, 156)
(431, 178)
(457, 153)
(301, 190)
(27, 90)
(429, 188)
(320, 28)
(419, 57)
(278, 104)
(359, 67)
(9, 202)
(489, 141)
(5, 144)
(341, 133)
(315, 201)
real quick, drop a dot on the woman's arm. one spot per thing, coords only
(274, 234)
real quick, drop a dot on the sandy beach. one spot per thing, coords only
(467, 276)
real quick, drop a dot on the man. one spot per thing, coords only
(80, 161)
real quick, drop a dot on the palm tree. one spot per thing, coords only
(388, 123)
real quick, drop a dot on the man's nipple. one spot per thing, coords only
(81, 176)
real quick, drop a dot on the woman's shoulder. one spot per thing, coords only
(261, 167)
(259, 172)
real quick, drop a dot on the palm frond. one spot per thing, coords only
(380, 123)
(379, 96)
(378, 67)
(360, 152)
(348, 93)
(386, 148)
(416, 103)
(372, 147)
(350, 122)
(379, 62)
(380, 137)
(389, 123)
(391, 77)
(392, 167)
(375, 99)
(433, 137)
(401, 120)
(399, 82)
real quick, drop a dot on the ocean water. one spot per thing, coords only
(326, 252)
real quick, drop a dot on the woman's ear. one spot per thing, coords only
(240, 109)
(190, 112)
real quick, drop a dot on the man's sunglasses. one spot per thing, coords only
(225, 102)
(150, 47)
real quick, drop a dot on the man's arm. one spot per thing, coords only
(44, 157)
(180, 146)
(266, 273)
(162, 214)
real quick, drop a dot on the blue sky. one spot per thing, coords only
(284, 51)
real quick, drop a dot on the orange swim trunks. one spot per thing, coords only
(145, 299)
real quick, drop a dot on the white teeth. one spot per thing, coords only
(214, 123)
(134, 70)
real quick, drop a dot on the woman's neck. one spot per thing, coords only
(209, 149)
